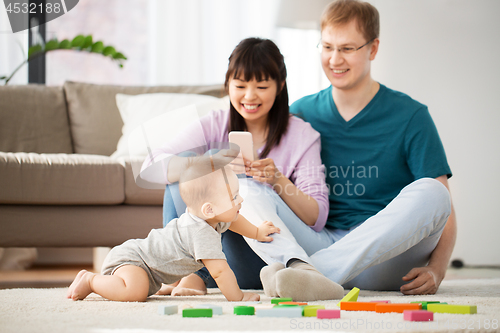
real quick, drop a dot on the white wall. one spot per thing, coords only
(445, 54)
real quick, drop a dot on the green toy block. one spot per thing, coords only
(311, 310)
(197, 312)
(244, 310)
(425, 303)
(352, 296)
(277, 300)
(451, 308)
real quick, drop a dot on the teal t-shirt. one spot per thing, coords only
(372, 157)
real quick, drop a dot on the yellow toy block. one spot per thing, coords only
(450, 308)
(352, 296)
(311, 310)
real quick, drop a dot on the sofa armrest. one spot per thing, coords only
(60, 179)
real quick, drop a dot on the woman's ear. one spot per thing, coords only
(207, 210)
(280, 86)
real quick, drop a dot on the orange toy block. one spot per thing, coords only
(396, 307)
(358, 306)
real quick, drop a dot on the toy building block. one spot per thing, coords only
(278, 300)
(385, 302)
(396, 307)
(168, 309)
(286, 312)
(193, 312)
(358, 306)
(292, 303)
(311, 310)
(451, 308)
(425, 303)
(244, 310)
(216, 310)
(328, 314)
(264, 306)
(351, 296)
(418, 315)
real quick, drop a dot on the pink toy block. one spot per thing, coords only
(418, 315)
(327, 314)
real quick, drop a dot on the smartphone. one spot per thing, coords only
(244, 141)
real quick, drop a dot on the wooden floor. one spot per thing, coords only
(40, 277)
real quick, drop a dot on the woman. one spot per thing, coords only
(286, 181)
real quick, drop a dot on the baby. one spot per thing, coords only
(137, 268)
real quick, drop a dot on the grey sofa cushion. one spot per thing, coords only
(143, 194)
(33, 118)
(96, 125)
(60, 179)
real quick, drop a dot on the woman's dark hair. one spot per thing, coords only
(260, 59)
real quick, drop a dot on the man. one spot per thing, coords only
(392, 225)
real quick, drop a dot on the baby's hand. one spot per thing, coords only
(264, 230)
(250, 297)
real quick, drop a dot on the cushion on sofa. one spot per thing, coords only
(95, 122)
(33, 118)
(62, 179)
(139, 192)
(158, 118)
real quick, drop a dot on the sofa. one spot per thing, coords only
(60, 186)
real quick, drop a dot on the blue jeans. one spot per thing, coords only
(245, 264)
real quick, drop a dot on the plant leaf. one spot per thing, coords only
(87, 42)
(37, 48)
(97, 47)
(52, 44)
(119, 55)
(77, 41)
(3, 77)
(109, 51)
(65, 44)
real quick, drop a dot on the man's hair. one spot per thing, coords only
(200, 181)
(341, 12)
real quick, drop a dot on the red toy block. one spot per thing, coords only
(358, 306)
(418, 315)
(327, 314)
(397, 307)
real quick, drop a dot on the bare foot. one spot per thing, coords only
(166, 289)
(81, 288)
(179, 291)
(75, 282)
(190, 285)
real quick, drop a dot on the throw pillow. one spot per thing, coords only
(151, 120)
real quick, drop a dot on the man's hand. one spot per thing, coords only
(426, 280)
(264, 230)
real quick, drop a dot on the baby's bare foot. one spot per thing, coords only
(82, 289)
(166, 289)
(180, 291)
(75, 282)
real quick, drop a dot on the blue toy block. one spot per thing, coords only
(286, 312)
(167, 309)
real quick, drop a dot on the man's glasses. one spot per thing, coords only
(345, 50)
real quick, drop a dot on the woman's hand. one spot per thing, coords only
(426, 281)
(264, 171)
(264, 230)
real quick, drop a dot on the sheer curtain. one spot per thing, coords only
(191, 40)
(13, 50)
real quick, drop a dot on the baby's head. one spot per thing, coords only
(210, 189)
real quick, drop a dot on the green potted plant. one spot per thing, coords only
(79, 43)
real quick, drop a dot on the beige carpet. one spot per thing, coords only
(47, 310)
